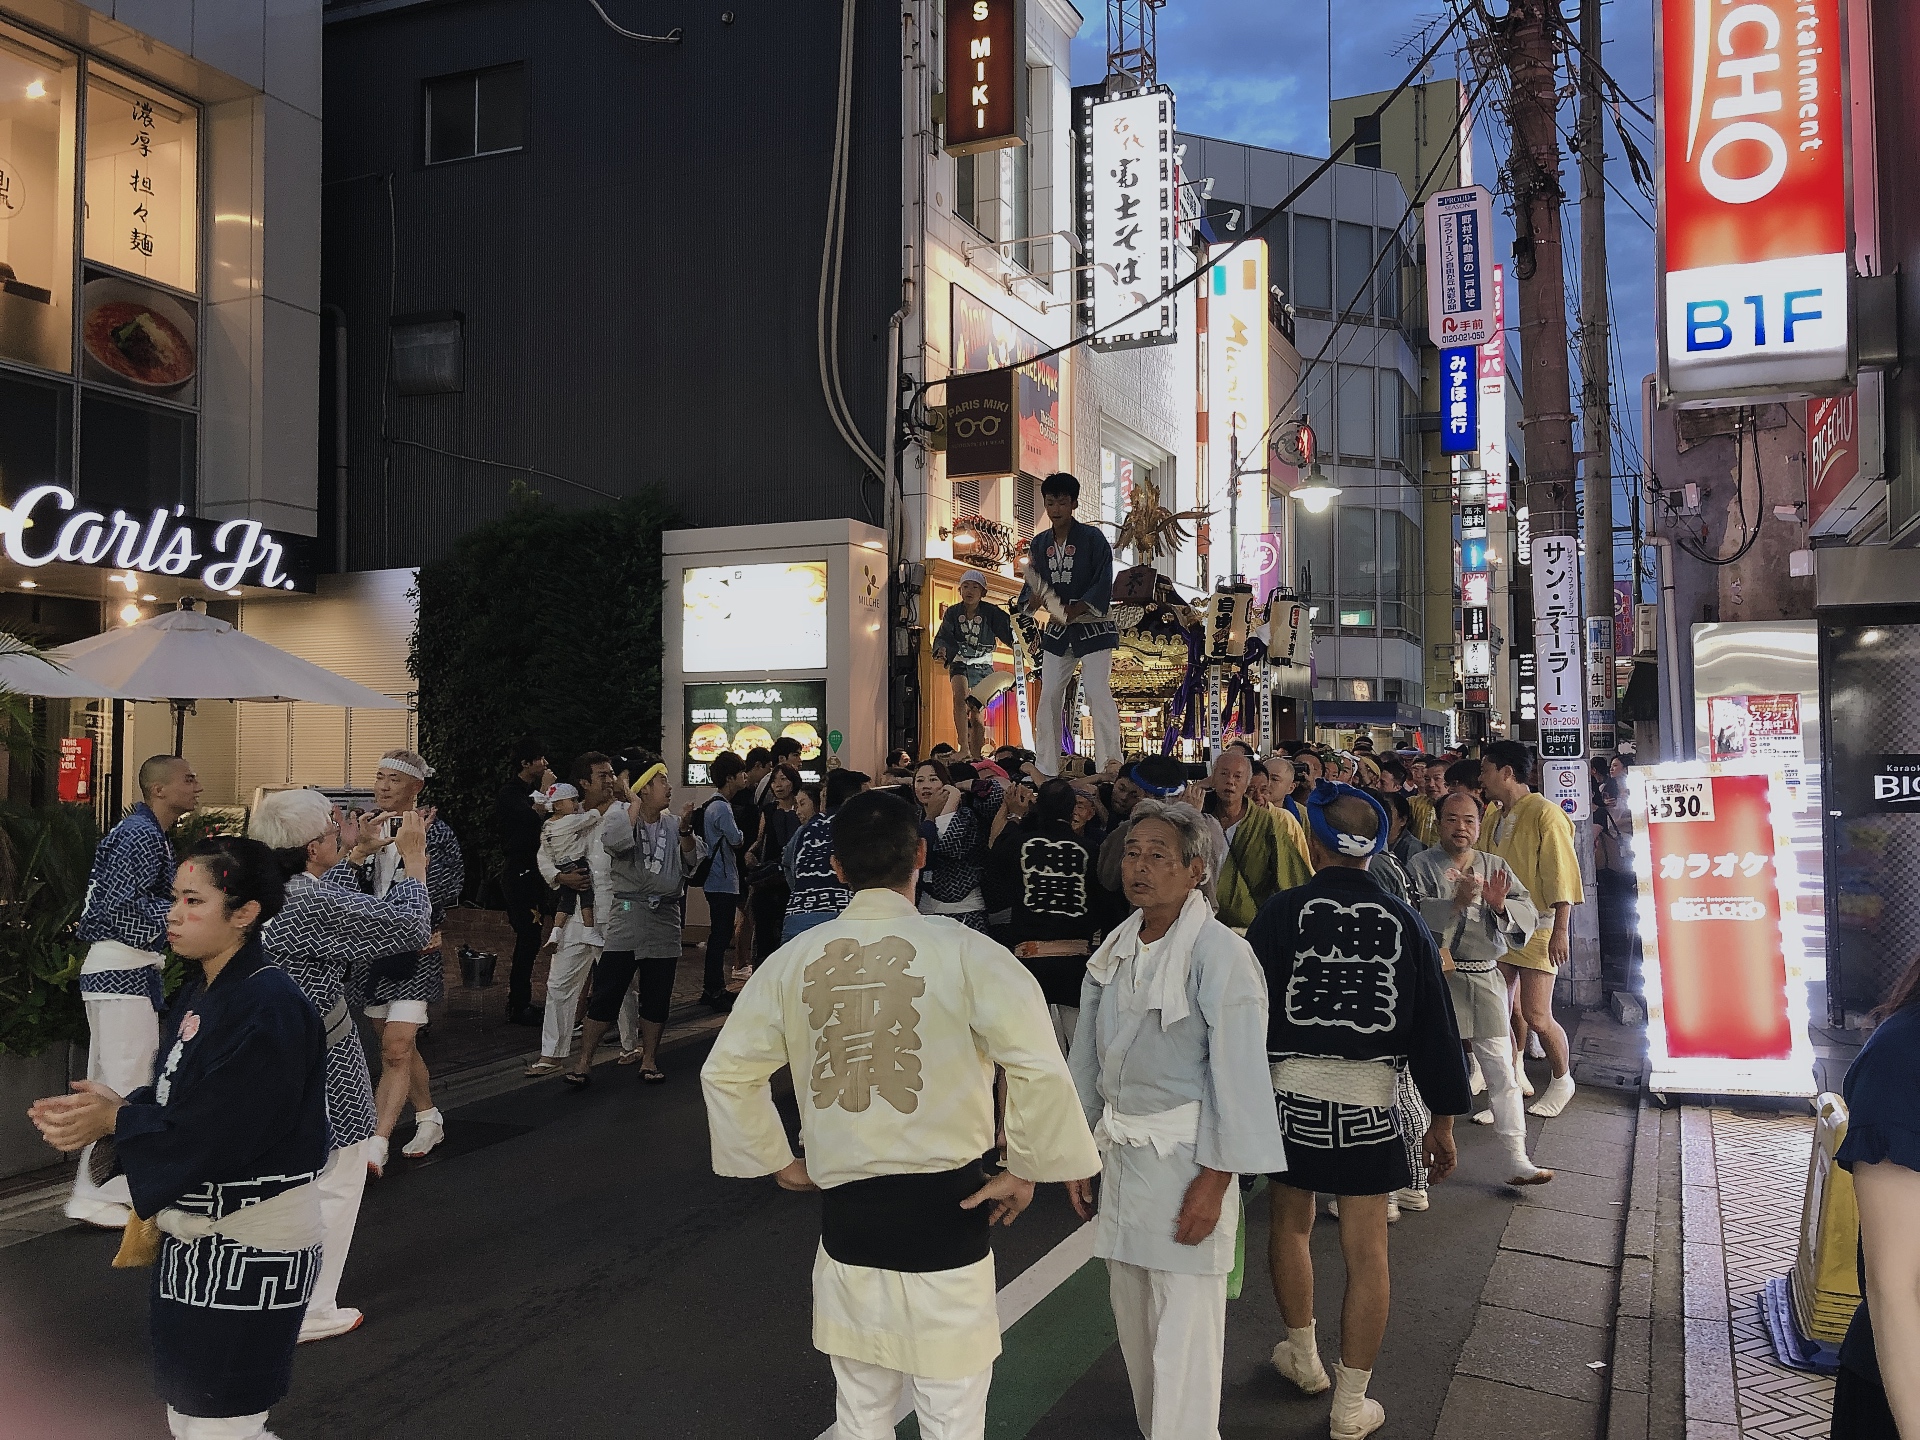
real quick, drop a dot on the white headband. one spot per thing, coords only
(405, 767)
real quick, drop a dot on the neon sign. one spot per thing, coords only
(223, 555)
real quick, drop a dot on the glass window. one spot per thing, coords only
(1358, 557)
(1353, 262)
(143, 187)
(1119, 474)
(1319, 405)
(1278, 263)
(133, 457)
(36, 433)
(1361, 691)
(1312, 262)
(1356, 614)
(483, 112)
(1389, 556)
(1366, 141)
(1387, 282)
(1356, 426)
(37, 92)
(1390, 438)
(1313, 552)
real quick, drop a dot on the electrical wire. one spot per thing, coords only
(827, 314)
(672, 37)
(1252, 231)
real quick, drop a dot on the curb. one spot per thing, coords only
(1711, 1411)
(1630, 1374)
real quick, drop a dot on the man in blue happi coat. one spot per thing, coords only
(124, 927)
(1069, 587)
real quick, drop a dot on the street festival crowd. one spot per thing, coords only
(1149, 982)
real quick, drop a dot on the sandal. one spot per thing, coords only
(653, 1077)
(544, 1067)
(628, 1057)
(578, 1080)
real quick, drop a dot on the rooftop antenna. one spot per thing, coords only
(1132, 43)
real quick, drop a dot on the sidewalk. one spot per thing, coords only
(1744, 1173)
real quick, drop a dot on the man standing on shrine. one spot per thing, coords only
(1069, 587)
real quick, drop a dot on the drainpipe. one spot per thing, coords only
(1672, 746)
(339, 436)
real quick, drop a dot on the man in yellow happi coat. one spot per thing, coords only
(1535, 837)
(892, 1023)
(1263, 857)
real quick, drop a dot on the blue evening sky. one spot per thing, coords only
(1257, 71)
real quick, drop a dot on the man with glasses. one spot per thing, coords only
(1070, 582)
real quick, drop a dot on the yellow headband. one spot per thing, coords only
(646, 776)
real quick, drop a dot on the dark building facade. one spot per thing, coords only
(593, 263)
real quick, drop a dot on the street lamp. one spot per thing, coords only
(1316, 492)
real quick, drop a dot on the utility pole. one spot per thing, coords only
(1596, 398)
(1524, 41)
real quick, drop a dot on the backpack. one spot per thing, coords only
(698, 878)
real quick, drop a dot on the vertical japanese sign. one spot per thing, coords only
(986, 75)
(1237, 395)
(1754, 200)
(75, 778)
(1459, 232)
(1493, 397)
(1725, 981)
(1557, 643)
(1129, 193)
(1602, 691)
(1459, 400)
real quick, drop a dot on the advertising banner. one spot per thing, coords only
(1833, 452)
(1725, 984)
(1237, 390)
(739, 716)
(1493, 398)
(983, 424)
(1764, 729)
(1459, 234)
(1130, 188)
(986, 75)
(1602, 692)
(984, 339)
(1459, 400)
(1557, 643)
(1754, 202)
(75, 782)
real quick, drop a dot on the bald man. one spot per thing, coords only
(1261, 858)
(124, 926)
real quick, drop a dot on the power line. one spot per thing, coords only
(1253, 230)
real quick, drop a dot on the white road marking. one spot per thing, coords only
(1018, 1296)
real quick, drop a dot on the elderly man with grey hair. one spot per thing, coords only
(326, 927)
(1170, 1063)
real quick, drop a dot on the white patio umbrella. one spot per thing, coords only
(24, 671)
(183, 655)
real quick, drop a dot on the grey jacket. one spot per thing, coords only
(646, 912)
(1475, 936)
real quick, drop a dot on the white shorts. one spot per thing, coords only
(407, 1012)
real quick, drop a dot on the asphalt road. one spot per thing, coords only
(567, 1265)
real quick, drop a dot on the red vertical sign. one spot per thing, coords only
(1709, 877)
(75, 777)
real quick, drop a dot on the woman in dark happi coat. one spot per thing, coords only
(220, 1153)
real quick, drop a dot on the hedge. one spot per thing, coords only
(545, 623)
